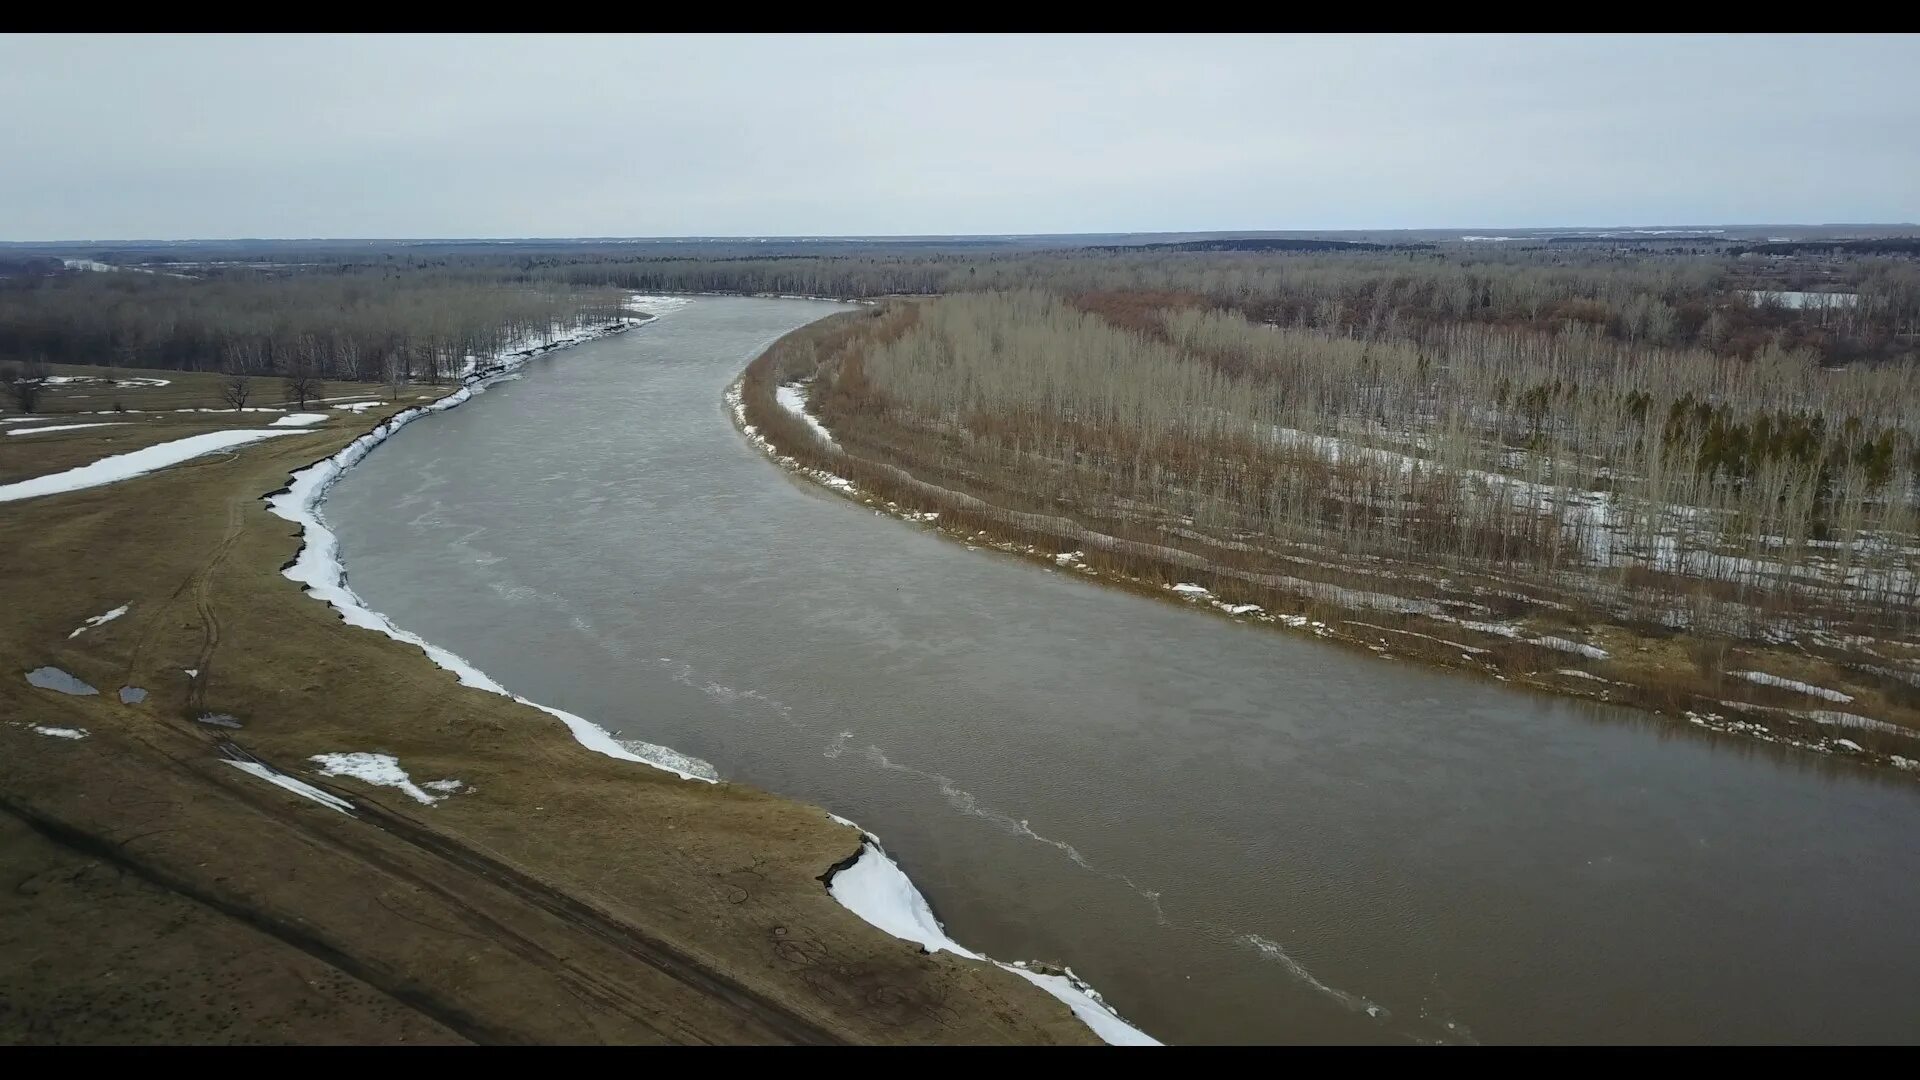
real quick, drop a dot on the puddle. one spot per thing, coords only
(218, 719)
(52, 678)
(132, 695)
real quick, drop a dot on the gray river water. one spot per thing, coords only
(1235, 834)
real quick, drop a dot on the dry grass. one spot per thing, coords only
(566, 897)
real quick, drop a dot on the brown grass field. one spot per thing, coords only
(158, 895)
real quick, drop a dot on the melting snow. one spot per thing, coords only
(1765, 679)
(62, 732)
(66, 427)
(876, 889)
(380, 770)
(298, 787)
(793, 398)
(300, 419)
(100, 620)
(118, 467)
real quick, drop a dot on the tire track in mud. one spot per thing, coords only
(288, 932)
(755, 1009)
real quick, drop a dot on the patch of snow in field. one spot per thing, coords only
(380, 770)
(118, 467)
(1509, 630)
(318, 568)
(1765, 679)
(1828, 717)
(444, 787)
(875, 889)
(298, 787)
(1591, 652)
(61, 732)
(250, 408)
(1191, 591)
(358, 406)
(793, 398)
(24, 419)
(1578, 674)
(67, 427)
(300, 419)
(100, 620)
(99, 380)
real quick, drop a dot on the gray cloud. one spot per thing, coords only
(220, 136)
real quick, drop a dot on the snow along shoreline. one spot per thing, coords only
(878, 891)
(873, 886)
(318, 566)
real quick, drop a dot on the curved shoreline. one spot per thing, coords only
(317, 568)
(1738, 719)
(872, 885)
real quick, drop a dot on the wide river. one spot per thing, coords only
(1236, 834)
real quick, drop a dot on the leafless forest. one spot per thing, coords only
(348, 324)
(1677, 479)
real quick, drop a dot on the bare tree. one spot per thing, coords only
(300, 372)
(393, 371)
(236, 390)
(26, 383)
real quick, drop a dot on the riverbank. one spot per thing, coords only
(1760, 691)
(269, 826)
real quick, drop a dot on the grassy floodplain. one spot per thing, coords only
(558, 895)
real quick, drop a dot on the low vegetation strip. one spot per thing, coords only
(1402, 494)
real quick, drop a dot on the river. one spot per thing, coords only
(1236, 834)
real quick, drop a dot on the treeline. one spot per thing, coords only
(353, 326)
(1675, 301)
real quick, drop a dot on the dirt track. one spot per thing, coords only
(158, 894)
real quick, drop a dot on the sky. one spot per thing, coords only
(220, 136)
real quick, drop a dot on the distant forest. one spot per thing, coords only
(353, 312)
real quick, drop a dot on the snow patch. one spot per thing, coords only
(879, 892)
(118, 467)
(100, 620)
(66, 427)
(298, 787)
(380, 770)
(1809, 689)
(61, 732)
(300, 419)
(793, 398)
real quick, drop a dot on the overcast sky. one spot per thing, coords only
(505, 136)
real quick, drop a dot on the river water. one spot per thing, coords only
(1237, 835)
